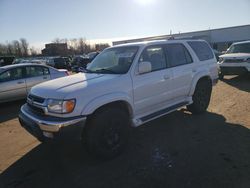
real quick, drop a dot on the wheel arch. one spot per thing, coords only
(119, 100)
(197, 79)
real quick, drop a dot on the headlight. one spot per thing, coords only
(220, 60)
(248, 60)
(61, 106)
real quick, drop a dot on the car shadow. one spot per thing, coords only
(10, 110)
(177, 150)
(241, 82)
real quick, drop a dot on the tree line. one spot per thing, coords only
(18, 48)
(21, 48)
(81, 45)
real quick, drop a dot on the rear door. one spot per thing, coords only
(12, 84)
(182, 65)
(36, 75)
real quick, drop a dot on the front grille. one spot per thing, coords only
(234, 60)
(36, 99)
(35, 109)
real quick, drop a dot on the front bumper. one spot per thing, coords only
(42, 126)
(233, 70)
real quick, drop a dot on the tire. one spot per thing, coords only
(201, 97)
(221, 76)
(106, 132)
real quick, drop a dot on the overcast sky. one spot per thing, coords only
(41, 21)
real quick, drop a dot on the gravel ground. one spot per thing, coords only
(177, 150)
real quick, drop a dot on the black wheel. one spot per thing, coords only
(221, 76)
(106, 132)
(201, 97)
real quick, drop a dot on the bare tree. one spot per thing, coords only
(56, 40)
(10, 50)
(17, 48)
(33, 51)
(81, 45)
(24, 45)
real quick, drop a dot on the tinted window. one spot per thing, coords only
(178, 55)
(155, 55)
(202, 50)
(59, 60)
(13, 74)
(36, 71)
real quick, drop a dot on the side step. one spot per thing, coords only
(163, 111)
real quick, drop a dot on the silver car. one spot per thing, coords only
(17, 80)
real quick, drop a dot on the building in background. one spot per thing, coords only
(56, 49)
(219, 39)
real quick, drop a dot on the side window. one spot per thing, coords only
(13, 74)
(202, 50)
(34, 71)
(178, 55)
(155, 55)
(45, 71)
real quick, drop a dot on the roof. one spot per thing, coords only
(19, 65)
(248, 41)
(145, 43)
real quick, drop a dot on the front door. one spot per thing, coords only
(12, 85)
(151, 89)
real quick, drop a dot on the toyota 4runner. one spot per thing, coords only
(125, 85)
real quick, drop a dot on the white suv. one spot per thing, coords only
(236, 61)
(125, 85)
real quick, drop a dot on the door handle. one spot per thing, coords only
(166, 77)
(20, 82)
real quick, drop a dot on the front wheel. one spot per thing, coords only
(221, 76)
(201, 97)
(106, 132)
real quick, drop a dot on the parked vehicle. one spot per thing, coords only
(57, 62)
(68, 62)
(16, 80)
(6, 60)
(80, 62)
(124, 85)
(236, 61)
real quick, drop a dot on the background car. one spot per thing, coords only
(17, 80)
(57, 62)
(236, 61)
(6, 60)
(79, 63)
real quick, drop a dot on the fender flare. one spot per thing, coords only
(195, 80)
(106, 99)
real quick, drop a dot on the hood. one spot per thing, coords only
(59, 88)
(236, 56)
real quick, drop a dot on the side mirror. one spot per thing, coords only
(145, 67)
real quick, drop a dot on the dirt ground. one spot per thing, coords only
(177, 150)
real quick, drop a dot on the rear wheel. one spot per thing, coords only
(201, 96)
(106, 132)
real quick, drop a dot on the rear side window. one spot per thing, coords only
(178, 55)
(36, 71)
(202, 50)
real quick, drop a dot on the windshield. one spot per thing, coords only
(113, 61)
(239, 48)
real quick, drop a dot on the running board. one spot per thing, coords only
(163, 111)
